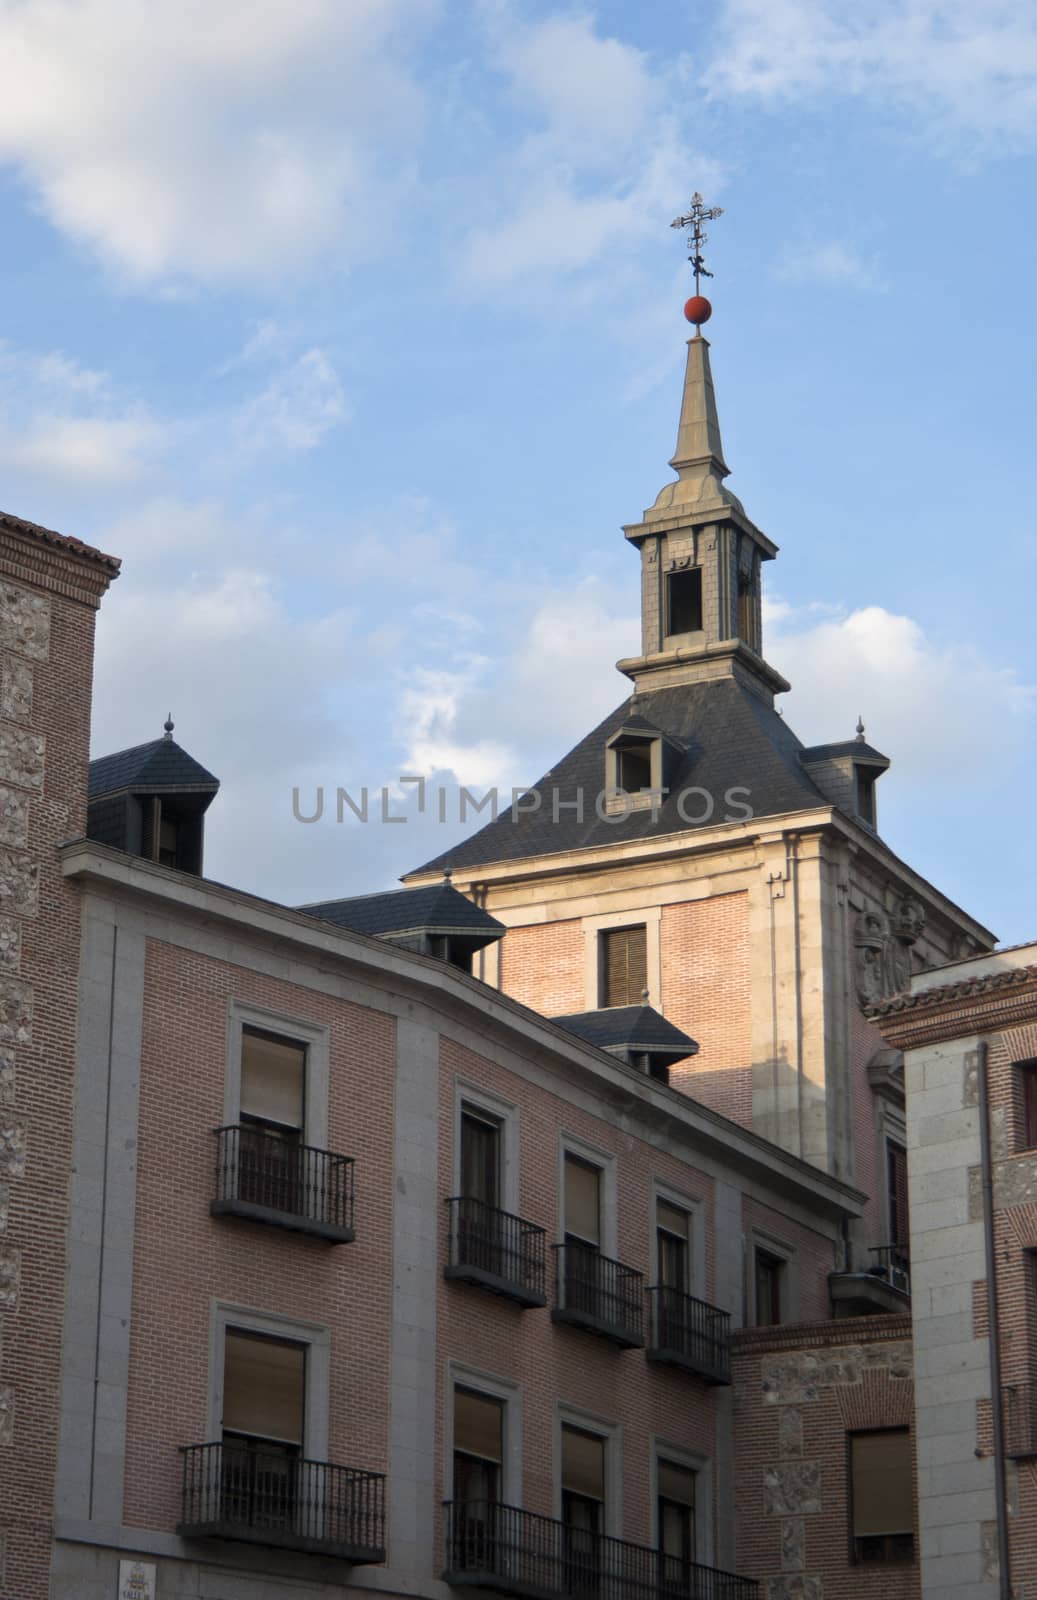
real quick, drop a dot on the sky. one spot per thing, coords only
(355, 331)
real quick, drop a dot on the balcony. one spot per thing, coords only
(495, 1250)
(1020, 1404)
(689, 1333)
(269, 1496)
(884, 1286)
(267, 1178)
(598, 1294)
(515, 1552)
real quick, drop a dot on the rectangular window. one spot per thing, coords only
(478, 1447)
(684, 601)
(273, 1078)
(168, 839)
(768, 1273)
(582, 1202)
(480, 1156)
(881, 1515)
(896, 1193)
(583, 1485)
(671, 1235)
(634, 766)
(1026, 1079)
(676, 1523)
(624, 966)
(866, 797)
(264, 1396)
(746, 630)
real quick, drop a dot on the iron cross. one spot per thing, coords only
(697, 235)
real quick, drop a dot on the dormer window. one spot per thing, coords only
(866, 796)
(168, 840)
(684, 601)
(634, 765)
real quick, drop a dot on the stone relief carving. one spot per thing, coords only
(883, 945)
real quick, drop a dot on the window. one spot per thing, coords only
(480, 1156)
(746, 630)
(634, 765)
(684, 601)
(582, 1202)
(1026, 1078)
(583, 1485)
(675, 1520)
(896, 1195)
(624, 966)
(264, 1393)
(478, 1447)
(168, 839)
(881, 1515)
(671, 1236)
(866, 796)
(768, 1273)
(273, 1078)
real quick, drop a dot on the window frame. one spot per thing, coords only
(224, 1314)
(315, 1036)
(593, 927)
(696, 1214)
(603, 936)
(675, 576)
(509, 1393)
(483, 1101)
(1024, 1075)
(661, 1449)
(787, 1255)
(852, 1535)
(611, 1432)
(570, 1144)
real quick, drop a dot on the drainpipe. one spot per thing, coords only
(994, 1337)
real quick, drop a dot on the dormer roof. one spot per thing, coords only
(155, 768)
(407, 914)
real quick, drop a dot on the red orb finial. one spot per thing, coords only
(698, 310)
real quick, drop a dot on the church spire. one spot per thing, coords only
(701, 556)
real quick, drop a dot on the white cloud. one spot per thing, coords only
(59, 420)
(835, 263)
(216, 143)
(428, 715)
(299, 405)
(941, 712)
(964, 69)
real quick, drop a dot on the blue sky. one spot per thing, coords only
(355, 329)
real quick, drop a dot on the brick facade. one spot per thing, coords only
(705, 991)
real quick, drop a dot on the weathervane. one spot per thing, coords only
(698, 308)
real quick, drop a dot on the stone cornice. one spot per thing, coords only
(320, 945)
(947, 1011)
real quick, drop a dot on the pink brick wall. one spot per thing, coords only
(705, 982)
(543, 966)
(183, 1257)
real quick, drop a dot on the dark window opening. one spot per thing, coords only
(168, 840)
(746, 609)
(769, 1270)
(583, 1490)
(264, 1386)
(480, 1157)
(896, 1194)
(881, 1505)
(478, 1450)
(634, 766)
(624, 966)
(866, 797)
(1026, 1077)
(676, 1522)
(684, 601)
(671, 1233)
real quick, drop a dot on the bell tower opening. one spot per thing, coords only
(684, 601)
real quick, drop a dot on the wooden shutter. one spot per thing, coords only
(583, 1463)
(624, 966)
(480, 1158)
(880, 1466)
(272, 1078)
(899, 1227)
(478, 1425)
(264, 1383)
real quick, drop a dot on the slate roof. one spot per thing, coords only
(640, 1029)
(730, 739)
(402, 913)
(155, 766)
(847, 747)
(60, 541)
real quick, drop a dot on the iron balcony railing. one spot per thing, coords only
(516, 1552)
(599, 1294)
(1020, 1408)
(270, 1178)
(265, 1494)
(495, 1249)
(689, 1333)
(893, 1265)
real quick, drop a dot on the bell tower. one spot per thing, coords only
(701, 556)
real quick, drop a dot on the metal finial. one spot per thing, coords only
(697, 214)
(168, 725)
(644, 997)
(860, 727)
(448, 873)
